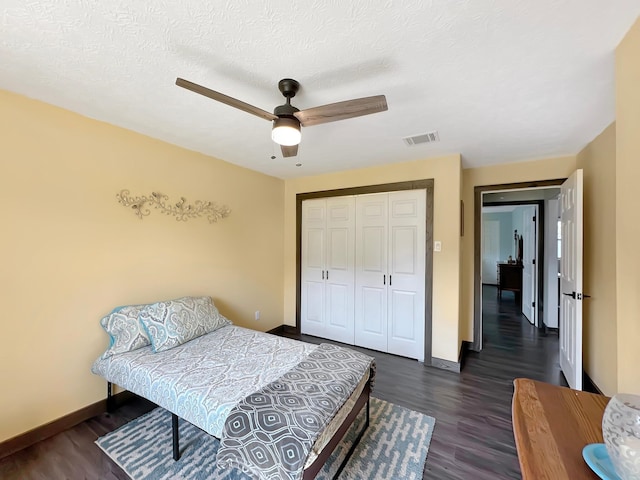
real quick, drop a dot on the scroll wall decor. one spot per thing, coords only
(182, 210)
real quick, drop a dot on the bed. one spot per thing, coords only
(187, 358)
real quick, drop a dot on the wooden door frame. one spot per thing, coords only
(477, 243)
(424, 184)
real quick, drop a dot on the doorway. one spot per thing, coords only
(513, 248)
(537, 194)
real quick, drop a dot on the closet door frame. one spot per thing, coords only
(425, 184)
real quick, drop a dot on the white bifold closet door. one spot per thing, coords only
(328, 261)
(390, 272)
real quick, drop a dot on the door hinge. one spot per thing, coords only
(533, 261)
(533, 219)
(533, 304)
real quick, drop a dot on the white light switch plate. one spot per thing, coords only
(437, 246)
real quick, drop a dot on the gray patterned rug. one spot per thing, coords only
(394, 447)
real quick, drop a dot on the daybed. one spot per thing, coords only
(187, 358)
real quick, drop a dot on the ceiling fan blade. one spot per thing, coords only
(220, 97)
(342, 110)
(287, 151)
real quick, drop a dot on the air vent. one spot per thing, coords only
(428, 137)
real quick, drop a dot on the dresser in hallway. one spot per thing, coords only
(510, 279)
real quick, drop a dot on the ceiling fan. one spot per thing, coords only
(287, 119)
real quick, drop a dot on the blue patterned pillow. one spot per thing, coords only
(125, 331)
(175, 322)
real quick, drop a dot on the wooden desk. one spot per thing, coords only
(551, 426)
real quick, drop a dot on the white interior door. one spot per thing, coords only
(490, 251)
(312, 318)
(371, 271)
(529, 270)
(405, 286)
(340, 269)
(571, 198)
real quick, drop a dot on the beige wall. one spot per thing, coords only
(546, 169)
(70, 252)
(598, 160)
(627, 212)
(445, 172)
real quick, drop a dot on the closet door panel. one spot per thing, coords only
(312, 317)
(404, 250)
(371, 271)
(314, 260)
(339, 312)
(402, 306)
(407, 237)
(373, 256)
(372, 332)
(340, 269)
(312, 311)
(338, 255)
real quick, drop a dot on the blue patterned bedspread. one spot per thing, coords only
(270, 433)
(203, 379)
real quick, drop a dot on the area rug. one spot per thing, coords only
(394, 446)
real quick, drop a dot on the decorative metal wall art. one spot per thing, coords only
(182, 210)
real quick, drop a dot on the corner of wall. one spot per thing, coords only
(627, 224)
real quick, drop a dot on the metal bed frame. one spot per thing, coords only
(312, 470)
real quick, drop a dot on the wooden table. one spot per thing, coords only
(551, 426)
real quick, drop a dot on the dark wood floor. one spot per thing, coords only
(472, 437)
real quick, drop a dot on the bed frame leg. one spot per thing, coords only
(355, 443)
(110, 398)
(176, 437)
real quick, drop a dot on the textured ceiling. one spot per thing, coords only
(500, 80)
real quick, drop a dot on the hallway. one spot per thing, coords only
(508, 336)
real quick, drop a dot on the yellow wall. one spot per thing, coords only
(627, 212)
(546, 169)
(445, 172)
(70, 252)
(598, 160)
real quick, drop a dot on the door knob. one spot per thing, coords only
(572, 294)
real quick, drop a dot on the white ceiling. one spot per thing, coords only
(500, 80)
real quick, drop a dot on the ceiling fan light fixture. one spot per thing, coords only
(287, 119)
(286, 131)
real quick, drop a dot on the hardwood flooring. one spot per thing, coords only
(472, 437)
